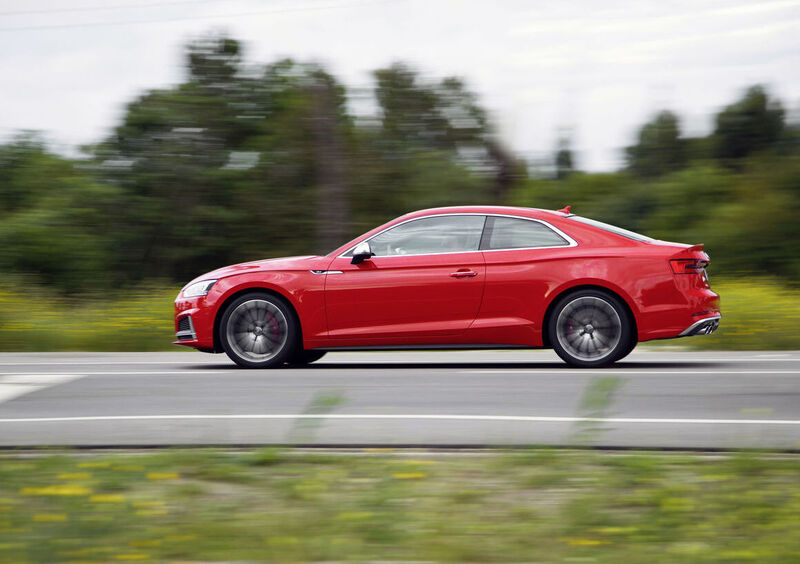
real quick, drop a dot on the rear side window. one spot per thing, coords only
(612, 228)
(513, 233)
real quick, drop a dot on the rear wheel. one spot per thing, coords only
(590, 328)
(258, 330)
(303, 357)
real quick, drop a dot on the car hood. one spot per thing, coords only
(305, 262)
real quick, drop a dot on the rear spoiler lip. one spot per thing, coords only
(693, 251)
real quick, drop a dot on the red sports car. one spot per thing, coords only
(459, 277)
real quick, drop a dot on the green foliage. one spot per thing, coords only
(753, 123)
(757, 314)
(54, 217)
(423, 116)
(35, 320)
(561, 506)
(659, 149)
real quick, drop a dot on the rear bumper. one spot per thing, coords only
(702, 327)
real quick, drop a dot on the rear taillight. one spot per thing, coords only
(688, 266)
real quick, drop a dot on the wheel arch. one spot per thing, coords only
(556, 297)
(252, 290)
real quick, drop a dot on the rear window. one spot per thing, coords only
(612, 228)
(512, 233)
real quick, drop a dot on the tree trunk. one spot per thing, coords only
(505, 172)
(333, 206)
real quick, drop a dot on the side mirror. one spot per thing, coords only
(361, 253)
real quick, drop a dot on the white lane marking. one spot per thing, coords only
(68, 362)
(11, 391)
(13, 386)
(524, 418)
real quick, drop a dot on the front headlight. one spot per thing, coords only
(198, 288)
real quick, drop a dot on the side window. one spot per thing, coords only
(443, 234)
(511, 233)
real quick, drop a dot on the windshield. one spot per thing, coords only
(612, 228)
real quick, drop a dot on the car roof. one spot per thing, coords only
(503, 210)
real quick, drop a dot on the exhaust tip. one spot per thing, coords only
(702, 327)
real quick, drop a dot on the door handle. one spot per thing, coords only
(464, 274)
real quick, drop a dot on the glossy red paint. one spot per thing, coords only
(492, 297)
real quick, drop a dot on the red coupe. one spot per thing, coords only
(460, 277)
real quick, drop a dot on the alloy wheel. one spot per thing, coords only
(588, 328)
(257, 330)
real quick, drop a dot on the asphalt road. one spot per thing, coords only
(476, 398)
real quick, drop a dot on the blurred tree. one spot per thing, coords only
(54, 218)
(20, 183)
(216, 170)
(213, 61)
(699, 148)
(411, 117)
(563, 160)
(753, 123)
(444, 117)
(659, 149)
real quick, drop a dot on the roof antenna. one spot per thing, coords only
(565, 210)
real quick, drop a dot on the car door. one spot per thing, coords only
(426, 278)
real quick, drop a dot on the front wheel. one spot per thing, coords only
(590, 329)
(258, 330)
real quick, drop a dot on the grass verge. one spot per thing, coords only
(36, 320)
(524, 505)
(760, 314)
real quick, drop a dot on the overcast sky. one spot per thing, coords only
(68, 67)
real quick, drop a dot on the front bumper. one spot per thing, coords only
(702, 327)
(194, 323)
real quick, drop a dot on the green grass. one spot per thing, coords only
(756, 315)
(526, 505)
(759, 314)
(36, 320)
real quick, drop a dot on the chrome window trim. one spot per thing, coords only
(571, 242)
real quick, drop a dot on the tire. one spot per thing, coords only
(259, 330)
(304, 358)
(590, 329)
(627, 350)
